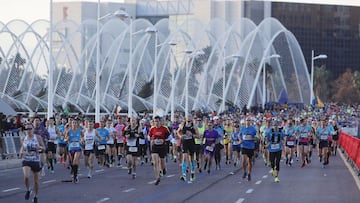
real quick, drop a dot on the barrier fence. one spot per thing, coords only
(351, 145)
(10, 143)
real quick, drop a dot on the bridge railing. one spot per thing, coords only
(10, 143)
(351, 147)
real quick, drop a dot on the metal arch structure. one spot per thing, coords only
(213, 76)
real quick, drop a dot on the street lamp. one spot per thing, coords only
(321, 56)
(264, 77)
(190, 54)
(51, 66)
(172, 111)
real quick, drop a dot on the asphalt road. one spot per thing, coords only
(310, 184)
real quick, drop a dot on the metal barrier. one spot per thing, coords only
(11, 144)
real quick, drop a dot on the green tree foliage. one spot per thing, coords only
(345, 89)
(322, 79)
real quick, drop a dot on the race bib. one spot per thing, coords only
(198, 141)
(120, 141)
(158, 141)
(247, 137)
(303, 135)
(236, 142)
(89, 147)
(275, 146)
(133, 149)
(141, 141)
(209, 148)
(74, 144)
(290, 143)
(131, 142)
(323, 137)
(101, 147)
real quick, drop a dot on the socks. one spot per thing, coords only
(183, 167)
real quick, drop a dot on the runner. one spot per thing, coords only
(335, 137)
(62, 145)
(274, 144)
(42, 131)
(51, 149)
(323, 133)
(188, 132)
(110, 144)
(105, 136)
(247, 141)
(219, 146)
(199, 149)
(143, 143)
(211, 139)
(303, 133)
(120, 138)
(290, 142)
(88, 140)
(31, 145)
(132, 133)
(158, 135)
(73, 136)
(228, 128)
(236, 146)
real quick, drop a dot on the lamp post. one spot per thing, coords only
(321, 56)
(51, 66)
(172, 111)
(264, 77)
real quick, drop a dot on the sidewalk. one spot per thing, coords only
(10, 163)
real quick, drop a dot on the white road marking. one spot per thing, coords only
(48, 181)
(11, 189)
(129, 190)
(265, 176)
(100, 170)
(169, 176)
(103, 200)
(152, 182)
(240, 200)
(258, 182)
(249, 191)
(239, 182)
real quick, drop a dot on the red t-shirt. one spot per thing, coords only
(159, 133)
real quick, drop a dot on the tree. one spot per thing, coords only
(321, 83)
(345, 89)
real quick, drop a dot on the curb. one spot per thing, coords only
(7, 164)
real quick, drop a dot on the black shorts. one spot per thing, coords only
(134, 152)
(88, 152)
(159, 149)
(34, 165)
(248, 152)
(111, 145)
(51, 147)
(323, 144)
(188, 146)
(199, 148)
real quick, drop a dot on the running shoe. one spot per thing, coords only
(51, 171)
(192, 177)
(277, 179)
(157, 181)
(89, 174)
(76, 179)
(129, 171)
(208, 171)
(161, 174)
(272, 172)
(244, 176)
(35, 200)
(183, 178)
(133, 176)
(249, 177)
(42, 173)
(164, 171)
(27, 195)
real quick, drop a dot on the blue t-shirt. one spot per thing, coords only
(74, 139)
(247, 135)
(274, 137)
(104, 134)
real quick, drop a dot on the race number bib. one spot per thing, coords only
(237, 142)
(209, 148)
(119, 141)
(133, 149)
(74, 144)
(323, 137)
(101, 147)
(247, 137)
(141, 141)
(131, 142)
(158, 141)
(290, 143)
(303, 135)
(275, 146)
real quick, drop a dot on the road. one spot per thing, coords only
(310, 184)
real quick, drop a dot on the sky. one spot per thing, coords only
(31, 10)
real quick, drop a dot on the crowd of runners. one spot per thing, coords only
(198, 143)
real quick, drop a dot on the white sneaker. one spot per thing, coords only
(42, 173)
(89, 174)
